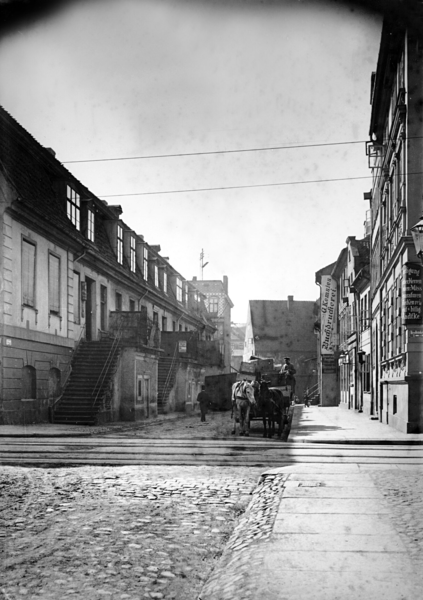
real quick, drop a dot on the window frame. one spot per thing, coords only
(73, 206)
(27, 300)
(90, 225)
(77, 297)
(179, 289)
(54, 296)
(132, 253)
(119, 244)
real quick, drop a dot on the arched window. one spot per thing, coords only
(29, 382)
(54, 383)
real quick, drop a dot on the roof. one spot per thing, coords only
(272, 319)
(212, 286)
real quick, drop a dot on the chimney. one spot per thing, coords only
(51, 151)
(225, 283)
(194, 278)
(290, 302)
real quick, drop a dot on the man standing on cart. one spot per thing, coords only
(288, 371)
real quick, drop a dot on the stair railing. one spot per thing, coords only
(312, 390)
(169, 374)
(99, 383)
(57, 400)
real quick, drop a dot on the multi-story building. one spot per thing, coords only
(72, 270)
(237, 345)
(279, 328)
(395, 156)
(218, 305)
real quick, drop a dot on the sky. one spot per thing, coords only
(270, 99)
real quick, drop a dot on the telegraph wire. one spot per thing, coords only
(209, 152)
(233, 187)
(212, 152)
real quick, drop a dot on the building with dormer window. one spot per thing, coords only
(83, 301)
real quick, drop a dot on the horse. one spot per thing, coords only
(242, 400)
(274, 408)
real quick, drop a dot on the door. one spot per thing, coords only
(103, 308)
(147, 396)
(90, 303)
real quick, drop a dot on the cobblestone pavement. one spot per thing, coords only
(217, 426)
(117, 532)
(403, 492)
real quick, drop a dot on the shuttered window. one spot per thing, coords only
(28, 273)
(54, 283)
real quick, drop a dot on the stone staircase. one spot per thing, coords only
(167, 369)
(84, 399)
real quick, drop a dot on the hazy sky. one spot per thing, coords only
(135, 78)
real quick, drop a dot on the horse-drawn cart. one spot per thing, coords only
(273, 394)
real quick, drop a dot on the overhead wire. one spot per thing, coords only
(211, 152)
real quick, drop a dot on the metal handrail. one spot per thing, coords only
(56, 400)
(168, 377)
(106, 366)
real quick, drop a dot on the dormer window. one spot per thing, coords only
(133, 255)
(73, 207)
(186, 294)
(119, 244)
(145, 264)
(178, 289)
(156, 276)
(165, 282)
(90, 225)
(213, 304)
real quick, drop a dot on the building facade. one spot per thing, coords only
(218, 305)
(395, 155)
(73, 271)
(279, 328)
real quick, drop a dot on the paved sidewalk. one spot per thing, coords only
(333, 537)
(317, 424)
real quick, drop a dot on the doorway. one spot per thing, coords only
(90, 305)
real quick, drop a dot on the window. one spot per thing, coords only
(131, 305)
(186, 294)
(365, 373)
(180, 327)
(155, 318)
(133, 255)
(90, 225)
(213, 304)
(145, 264)
(28, 273)
(73, 207)
(165, 282)
(120, 244)
(178, 289)
(156, 276)
(164, 324)
(54, 284)
(118, 302)
(76, 297)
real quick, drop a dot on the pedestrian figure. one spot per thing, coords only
(204, 399)
(288, 371)
(307, 398)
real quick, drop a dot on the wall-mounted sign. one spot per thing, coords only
(327, 315)
(182, 345)
(411, 294)
(329, 364)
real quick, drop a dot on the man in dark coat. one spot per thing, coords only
(204, 399)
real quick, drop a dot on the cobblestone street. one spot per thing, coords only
(118, 533)
(165, 532)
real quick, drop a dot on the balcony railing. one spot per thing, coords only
(135, 328)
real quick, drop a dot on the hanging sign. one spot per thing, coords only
(327, 315)
(182, 345)
(412, 294)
